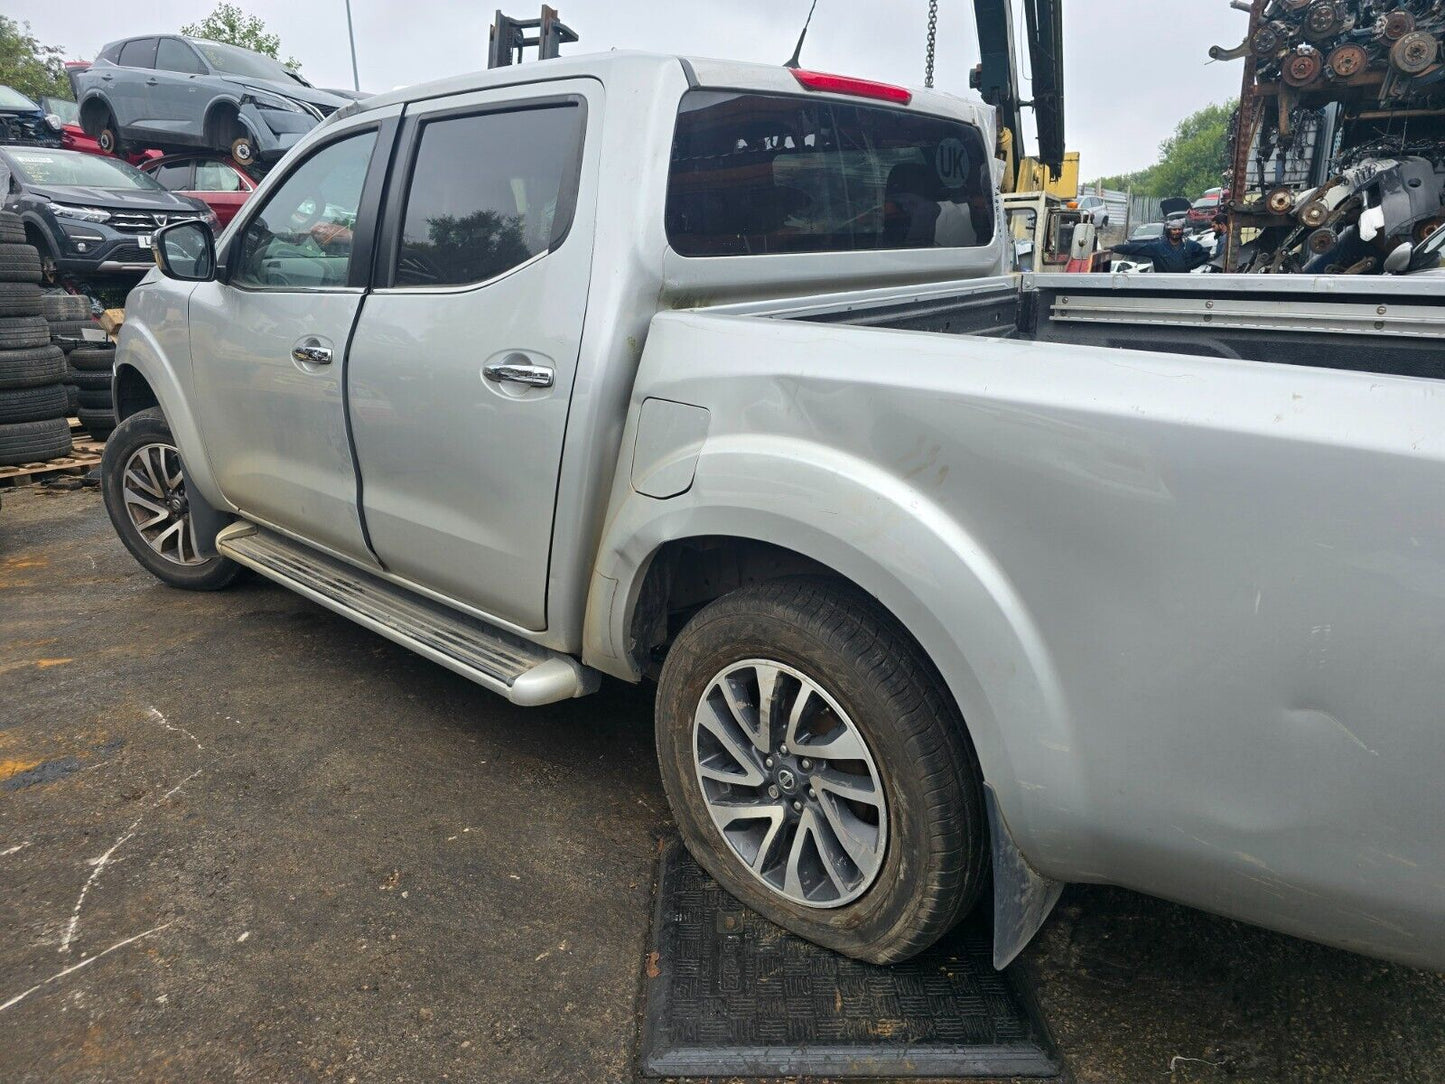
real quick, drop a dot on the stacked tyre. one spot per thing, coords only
(91, 367)
(68, 316)
(33, 400)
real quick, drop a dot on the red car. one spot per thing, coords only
(1203, 210)
(216, 181)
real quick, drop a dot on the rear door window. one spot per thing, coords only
(488, 192)
(217, 177)
(140, 53)
(174, 176)
(757, 174)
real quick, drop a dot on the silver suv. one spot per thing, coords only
(173, 93)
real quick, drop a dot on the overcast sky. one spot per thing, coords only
(1134, 67)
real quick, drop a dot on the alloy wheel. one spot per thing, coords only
(790, 782)
(154, 490)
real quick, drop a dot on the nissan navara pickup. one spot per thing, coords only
(950, 580)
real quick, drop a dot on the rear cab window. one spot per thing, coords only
(488, 192)
(759, 174)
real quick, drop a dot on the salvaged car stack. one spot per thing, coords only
(33, 401)
(1339, 151)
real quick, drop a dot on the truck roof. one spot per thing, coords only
(627, 65)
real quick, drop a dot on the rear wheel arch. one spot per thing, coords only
(95, 111)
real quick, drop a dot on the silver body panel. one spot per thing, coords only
(1191, 608)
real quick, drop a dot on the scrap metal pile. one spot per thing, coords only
(1339, 152)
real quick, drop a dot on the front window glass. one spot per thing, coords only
(13, 99)
(216, 177)
(756, 174)
(488, 192)
(302, 237)
(72, 167)
(176, 56)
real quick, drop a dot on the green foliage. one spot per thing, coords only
(29, 67)
(1191, 161)
(229, 25)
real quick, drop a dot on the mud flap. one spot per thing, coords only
(1022, 897)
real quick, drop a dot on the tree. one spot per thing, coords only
(31, 68)
(229, 25)
(1191, 161)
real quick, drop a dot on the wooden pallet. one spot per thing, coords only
(84, 455)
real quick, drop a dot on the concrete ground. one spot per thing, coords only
(242, 837)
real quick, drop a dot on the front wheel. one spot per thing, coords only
(818, 769)
(243, 150)
(144, 487)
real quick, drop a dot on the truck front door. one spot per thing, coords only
(268, 340)
(462, 366)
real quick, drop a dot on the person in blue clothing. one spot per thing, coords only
(1172, 255)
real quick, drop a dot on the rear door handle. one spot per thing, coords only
(152, 82)
(519, 372)
(312, 354)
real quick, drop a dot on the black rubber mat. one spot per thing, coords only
(727, 993)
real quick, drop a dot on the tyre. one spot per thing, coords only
(31, 367)
(12, 228)
(144, 487)
(34, 442)
(850, 811)
(96, 358)
(89, 381)
(94, 400)
(97, 419)
(21, 331)
(68, 334)
(19, 263)
(57, 306)
(243, 150)
(72, 399)
(33, 404)
(20, 299)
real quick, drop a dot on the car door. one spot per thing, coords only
(177, 99)
(126, 86)
(464, 357)
(269, 339)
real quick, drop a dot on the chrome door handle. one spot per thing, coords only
(536, 376)
(312, 355)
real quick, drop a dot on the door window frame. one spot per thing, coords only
(363, 234)
(149, 65)
(388, 242)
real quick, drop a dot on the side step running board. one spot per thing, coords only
(523, 672)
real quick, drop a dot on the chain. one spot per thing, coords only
(932, 41)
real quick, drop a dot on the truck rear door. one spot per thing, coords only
(463, 361)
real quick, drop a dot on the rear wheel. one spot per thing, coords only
(818, 769)
(109, 138)
(144, 487)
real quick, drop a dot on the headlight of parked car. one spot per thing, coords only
(274, 101)
(55, 123)
(85, 214)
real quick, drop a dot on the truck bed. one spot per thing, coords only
(1382, 325)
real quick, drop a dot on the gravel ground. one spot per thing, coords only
(242, 837)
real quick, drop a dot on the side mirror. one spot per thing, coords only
(1398, 261)
(185, 251)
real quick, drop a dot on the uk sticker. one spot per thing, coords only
(952, 163)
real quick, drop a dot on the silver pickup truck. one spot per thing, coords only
(710, 374)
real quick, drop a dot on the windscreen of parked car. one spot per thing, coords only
(757, 174)
(235, 61)
(64, 108)
(489, 192)
(13, 99)
(72, 167)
